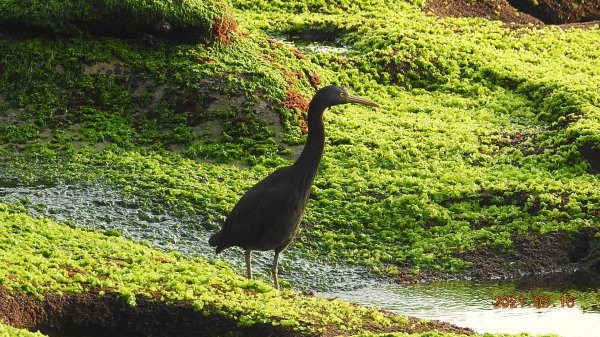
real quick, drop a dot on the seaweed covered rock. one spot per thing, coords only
(488, 129)
(183, 20)
(123, 92)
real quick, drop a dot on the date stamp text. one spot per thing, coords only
(535, 301)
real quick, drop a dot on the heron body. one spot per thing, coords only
(268, 215)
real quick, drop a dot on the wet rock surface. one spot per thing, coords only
(537, 255)
(537, 12)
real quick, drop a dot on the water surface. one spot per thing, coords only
(471, 304)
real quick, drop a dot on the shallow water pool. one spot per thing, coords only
(471, 304)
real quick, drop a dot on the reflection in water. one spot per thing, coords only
(470, 304)
(465, 303)
(582, 281)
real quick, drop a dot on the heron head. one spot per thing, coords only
(334, 95)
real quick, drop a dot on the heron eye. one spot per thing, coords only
(342, 94)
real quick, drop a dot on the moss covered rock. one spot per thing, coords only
(187, 19)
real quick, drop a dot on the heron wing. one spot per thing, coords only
(266, 214)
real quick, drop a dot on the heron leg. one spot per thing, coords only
(274, 270)
(248, 264)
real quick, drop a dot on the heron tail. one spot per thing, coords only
(215, 239)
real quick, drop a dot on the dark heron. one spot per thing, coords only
(267, 216)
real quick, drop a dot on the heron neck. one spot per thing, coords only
(309, 159)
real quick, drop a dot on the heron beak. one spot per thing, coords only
(360, 100)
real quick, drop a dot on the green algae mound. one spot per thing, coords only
(192, 19)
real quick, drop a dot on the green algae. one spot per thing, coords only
(479, 138)
(485, 131)
(110, 91)
(194, 19)
(8, 331)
